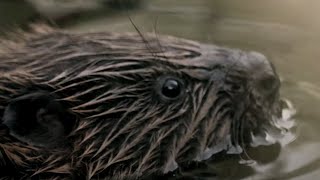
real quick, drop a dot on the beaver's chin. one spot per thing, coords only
(277, 129)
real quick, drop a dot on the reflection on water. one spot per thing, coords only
(286, 31)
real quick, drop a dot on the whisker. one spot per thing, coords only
(142, 37)
(242, 140)
(157, 38)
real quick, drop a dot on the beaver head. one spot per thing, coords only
(113, 105)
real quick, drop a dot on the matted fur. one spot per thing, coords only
(124, 129)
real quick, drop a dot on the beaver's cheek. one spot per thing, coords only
(37, 119)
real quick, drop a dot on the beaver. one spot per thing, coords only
(122, 105)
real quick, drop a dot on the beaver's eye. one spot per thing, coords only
(171, 88)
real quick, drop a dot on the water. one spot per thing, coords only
(286, 31)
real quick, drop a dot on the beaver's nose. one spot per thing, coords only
(262, 73)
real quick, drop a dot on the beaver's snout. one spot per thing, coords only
(254, 64)
(250, 68)
(263, 74)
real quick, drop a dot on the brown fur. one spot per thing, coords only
(123, 128)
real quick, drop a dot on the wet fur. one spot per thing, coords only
(122, 127)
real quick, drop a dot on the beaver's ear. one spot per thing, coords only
(38, 119)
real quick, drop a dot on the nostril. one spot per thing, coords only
(269, 83)
(235, 87)
(266, 79)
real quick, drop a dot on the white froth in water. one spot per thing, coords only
(170, 166)
(208, 152)
(248, 162)
(224, 145)
(279, 132)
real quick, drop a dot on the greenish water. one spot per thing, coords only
(286, 31)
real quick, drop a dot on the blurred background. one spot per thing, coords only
(286, 31)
